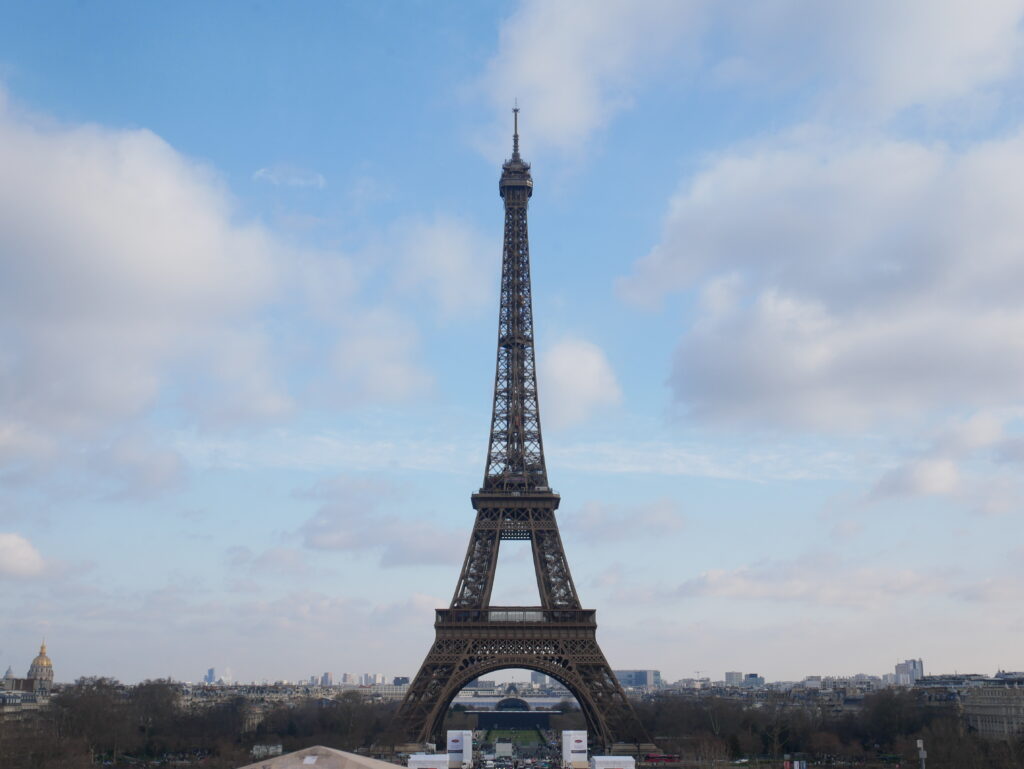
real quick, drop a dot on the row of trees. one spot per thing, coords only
(97, 721)
(883, 731)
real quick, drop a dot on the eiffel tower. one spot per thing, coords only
(558, 638)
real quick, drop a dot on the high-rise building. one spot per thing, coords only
(327, 679)
(400, 681)
(349, 678)
(753, 681)
(211, 676)
(538, 678)
(733, 678)
(645, 679)
(908, 672)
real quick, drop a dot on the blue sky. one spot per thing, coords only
(248, 267)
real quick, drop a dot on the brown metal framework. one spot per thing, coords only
(558, 637)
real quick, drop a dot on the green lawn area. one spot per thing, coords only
(525, 737)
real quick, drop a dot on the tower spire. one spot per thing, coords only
(515, 131)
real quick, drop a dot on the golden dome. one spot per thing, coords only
(42, 661)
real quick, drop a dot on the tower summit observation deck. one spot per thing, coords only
(515, 502)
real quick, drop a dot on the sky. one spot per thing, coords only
(249, 256)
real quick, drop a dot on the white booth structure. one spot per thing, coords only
(574, 750)
(460, 748)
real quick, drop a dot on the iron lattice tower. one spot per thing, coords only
(558, 638)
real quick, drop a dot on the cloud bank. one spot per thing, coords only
(841, 285)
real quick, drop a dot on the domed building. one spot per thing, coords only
(39, 678)
(41, 670)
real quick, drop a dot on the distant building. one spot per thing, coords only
(327, 679)
(908, 672)
(753, 681)
(691, 683)
(349, 678)
(538, 678)
(211, 676)
(958, 682)
(39, 678)
(41, 670)
(995, 711)
(639, 679)
(18, 705)
(733, 678)
(400, 681)
(386, 691)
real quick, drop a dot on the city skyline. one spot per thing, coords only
(248, 277)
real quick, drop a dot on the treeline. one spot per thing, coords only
(884, 731)
(97, 721)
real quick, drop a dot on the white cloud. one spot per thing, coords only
(290, 176)
(451, 261)
(119, 258)
(375, 358)
(125, 277)
(19, 557)
(602, 522)
(979, 431)
(575, 64)
(863, 282)
(274, 561)
(815, 582)
(876, 55)
(323, 451)
(964, 461)
(137, 467)
(999, 589)
(572, 64)
(354, 517)
(576, 381)
(919, 477)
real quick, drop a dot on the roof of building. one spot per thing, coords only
(319, 757)
(42, 660)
